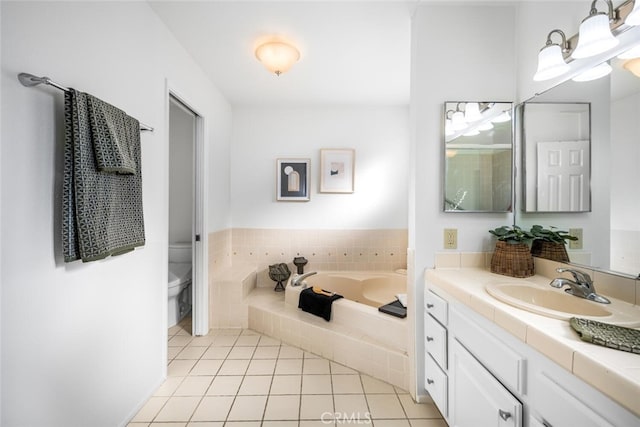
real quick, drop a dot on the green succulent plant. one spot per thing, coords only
(551, 234)
(512, 234)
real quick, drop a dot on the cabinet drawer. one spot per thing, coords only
(558, 407)
(435, 382)
(435, 340)
(436, 306)
(494, 354)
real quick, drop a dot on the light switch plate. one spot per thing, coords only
(575, 244)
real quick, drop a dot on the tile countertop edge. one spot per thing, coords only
(609, 371)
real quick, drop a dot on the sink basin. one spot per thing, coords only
(557, 304)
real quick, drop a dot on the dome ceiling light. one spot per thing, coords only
(277, 56)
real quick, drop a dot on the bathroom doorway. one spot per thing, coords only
(188, 296)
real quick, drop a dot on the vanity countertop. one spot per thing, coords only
(615, 373)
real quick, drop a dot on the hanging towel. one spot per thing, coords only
(115, 137)
(318, 303)
(102, 211)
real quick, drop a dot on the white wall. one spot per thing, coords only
(181, 139)
(380, 137)
(475, 62)
(84, 344)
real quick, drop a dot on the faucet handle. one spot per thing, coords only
(580, 276)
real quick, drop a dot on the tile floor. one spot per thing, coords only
(239, 378)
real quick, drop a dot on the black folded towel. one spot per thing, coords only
(317, 303)
(394, 308)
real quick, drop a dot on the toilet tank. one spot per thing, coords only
(180, 252)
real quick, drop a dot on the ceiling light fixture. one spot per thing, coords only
(595, 35)
(278, 57)
(550, 59)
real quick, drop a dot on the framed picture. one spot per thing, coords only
(293, 180)
(336, 170)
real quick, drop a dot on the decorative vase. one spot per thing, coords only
(549, 250)
(512, 259)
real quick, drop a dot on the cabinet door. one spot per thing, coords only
(561, 408)
(476, 397)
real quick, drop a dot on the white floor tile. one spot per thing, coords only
(316, 366)
(216, 352)
(255, 385)
(286, 384)
(428, 423)
(213, 408)
(224, 385)
(266, 353)
(180, 368)
(150, 409)
(241, 353)
(288, 366)
(316, 384)
(169, 386)
(337, 368)
(191, 353)
(248, 340)
(282, 408)
(418, 410)
(206, 367)
(247, 408)
(233, 367)
(385, 406)
(375, 386)
(194, 386)
(353, 405)
(287, 352)
(347, 384)
(268, 341)
(178, 408)
(316, 407)
(261, 367)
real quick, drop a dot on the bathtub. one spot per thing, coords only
(357, 313)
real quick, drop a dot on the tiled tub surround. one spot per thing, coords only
(614, 373)
(239, 260)
(349, 250)
(358, 336)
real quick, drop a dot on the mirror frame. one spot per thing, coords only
(520, 108)
(512, 172)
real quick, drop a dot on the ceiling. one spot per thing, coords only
(352, 52)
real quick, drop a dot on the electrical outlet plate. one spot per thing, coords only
(450, 238)
(575, 244)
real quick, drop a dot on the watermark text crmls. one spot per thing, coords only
(354, 418)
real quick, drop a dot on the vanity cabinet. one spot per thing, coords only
(490, 378)
(436, 354)
(477, 397)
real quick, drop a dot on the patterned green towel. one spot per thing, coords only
(115, 135)
(612, 336)
(102, 212)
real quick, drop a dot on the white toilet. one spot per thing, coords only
(179, 281)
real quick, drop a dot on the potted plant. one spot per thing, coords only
(549, 243)
(512, 256)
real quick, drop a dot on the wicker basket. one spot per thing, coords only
(549, 250)
(513, 260)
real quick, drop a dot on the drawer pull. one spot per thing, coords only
(429, 381)
(429, 305)
(504, 414)
(429, 338)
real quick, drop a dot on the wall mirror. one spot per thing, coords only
(611, 231)
(556, 153)
(478, 157)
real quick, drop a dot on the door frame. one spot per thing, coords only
(200, 275)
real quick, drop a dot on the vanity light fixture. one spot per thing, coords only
(633, 65)
(551, 62)
(633, 18)
(504, 117)
(594, 73)
(448, 129)
(634, 52)
(457, 120)
(277, 56)
(472, 112)
(485, 126)
(595, 35)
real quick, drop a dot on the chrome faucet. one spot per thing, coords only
(299, 278)
(582, 287)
